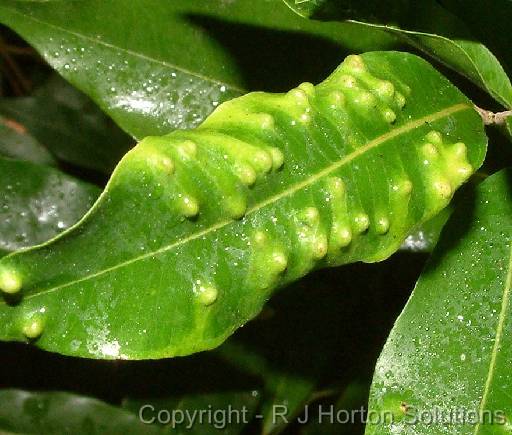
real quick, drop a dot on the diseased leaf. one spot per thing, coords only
(425, 238)
(37, 203)
(426, 26)
(450, 349)
(342, 314)
(16, 142)
(70, 125)
(196, 229)
(160, 65)
(57, 413)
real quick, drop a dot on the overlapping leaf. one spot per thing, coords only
(160, 65)
(482, 15)
(37, 203)
(446, 366)
(70, 125)
(196, 229)
(425, 26)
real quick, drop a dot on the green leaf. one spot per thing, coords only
(58, 413)
(425, 26)
(70, 125)
(38, 203)
(451, 347)
(160, 65)
(508, 127)
(16, 143)
(482, 15)
(342, 314)
(196, 229)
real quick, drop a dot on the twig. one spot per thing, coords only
(491, 118)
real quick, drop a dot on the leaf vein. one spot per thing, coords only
(128, 51)
(289, 191)
(499, 335)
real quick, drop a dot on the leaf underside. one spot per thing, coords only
(196, 229)
(450, 349)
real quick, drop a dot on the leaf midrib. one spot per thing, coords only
(128, 51)
(289, 191)
(497, 342)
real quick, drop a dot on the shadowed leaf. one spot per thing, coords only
(38, 202)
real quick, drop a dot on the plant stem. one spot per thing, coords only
(491, 118)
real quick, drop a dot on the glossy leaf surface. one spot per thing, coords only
(196, 229)
(450, 349)
(37, 203)
(160, 65)
(425, 26)
(342, 314)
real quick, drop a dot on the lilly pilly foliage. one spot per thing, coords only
(449, 350)
(196, 229)
(427, 26)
